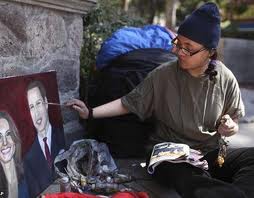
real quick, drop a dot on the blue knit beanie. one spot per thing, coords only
(203, 26)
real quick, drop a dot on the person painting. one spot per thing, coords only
(196, 101)
(49, 141)
(12, 183)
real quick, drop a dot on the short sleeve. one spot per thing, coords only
(234, 105)
(140, 100)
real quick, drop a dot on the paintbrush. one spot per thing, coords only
(56, 104)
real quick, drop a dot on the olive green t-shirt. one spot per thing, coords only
(187, 109)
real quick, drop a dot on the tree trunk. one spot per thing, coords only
(171, 6)
(125, 5)
(152, 10)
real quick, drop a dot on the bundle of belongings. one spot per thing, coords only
(123, 61)
(90, 168)
(116, 195)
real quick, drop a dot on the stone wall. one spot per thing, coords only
(37, 39)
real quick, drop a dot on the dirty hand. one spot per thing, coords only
(79, 106)
(227, 126)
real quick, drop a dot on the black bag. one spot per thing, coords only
(126, 135)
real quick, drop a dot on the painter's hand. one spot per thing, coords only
(79, 106)
(227, 126)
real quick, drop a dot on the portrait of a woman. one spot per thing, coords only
(12, 183)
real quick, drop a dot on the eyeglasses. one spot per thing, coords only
(185, 51)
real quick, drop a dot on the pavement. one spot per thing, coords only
(245, 136)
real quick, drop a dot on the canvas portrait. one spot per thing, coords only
(31, 133)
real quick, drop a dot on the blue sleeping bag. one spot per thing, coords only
(130, 38)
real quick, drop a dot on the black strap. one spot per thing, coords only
(90, 113)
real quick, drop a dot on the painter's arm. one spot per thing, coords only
(114, 108)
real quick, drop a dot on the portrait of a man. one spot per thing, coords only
(49, 141)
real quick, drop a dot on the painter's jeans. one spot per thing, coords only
(235, 179)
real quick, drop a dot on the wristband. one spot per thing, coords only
(90, 113)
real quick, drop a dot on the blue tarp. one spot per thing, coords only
(130, 38)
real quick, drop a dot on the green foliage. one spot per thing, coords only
(232, 31)
(185, 9)
(230, 10)
(187, 6)
(239, 11)
(236, 9)
(147, 9)
(98, 25)
(247, 14)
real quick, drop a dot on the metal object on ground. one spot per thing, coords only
(90, 167)
(65, 185)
